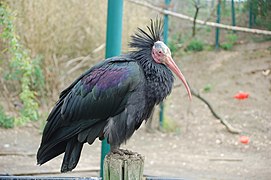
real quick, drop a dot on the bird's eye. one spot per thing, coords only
(159, 52)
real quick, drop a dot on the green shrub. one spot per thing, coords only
(170, 125)
(174, 43)
(208, 29)
(173, 47)
(195, 45)
(22, 69)
(207, 88)
(5, 121)
(230, 40)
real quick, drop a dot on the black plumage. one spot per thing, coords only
(110, 100)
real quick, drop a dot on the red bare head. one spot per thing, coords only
(162, 55)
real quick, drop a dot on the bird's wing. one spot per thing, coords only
(100, 93)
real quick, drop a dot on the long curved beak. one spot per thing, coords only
(172, 65)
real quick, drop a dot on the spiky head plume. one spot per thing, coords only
(143, 40)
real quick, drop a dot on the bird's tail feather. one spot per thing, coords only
(72, 155)
(53, 122)
(60, 141)
(45, 155)
(59, 138)
(57, 145)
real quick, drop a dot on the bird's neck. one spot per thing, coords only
(159, 79)
(159, 82)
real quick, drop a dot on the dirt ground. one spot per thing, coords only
(198, 146)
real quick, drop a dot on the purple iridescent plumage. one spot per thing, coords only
(105, 78)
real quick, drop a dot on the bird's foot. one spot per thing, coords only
(122, 152)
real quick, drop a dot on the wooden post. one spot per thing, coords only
(128, 166)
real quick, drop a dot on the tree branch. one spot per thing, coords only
(222, 120)
(197, 6)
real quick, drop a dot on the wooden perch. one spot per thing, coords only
(212, 24)
(127, 166)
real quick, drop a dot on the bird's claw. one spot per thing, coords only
(122, 152)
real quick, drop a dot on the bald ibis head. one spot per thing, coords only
(150, 47)
(161, 54)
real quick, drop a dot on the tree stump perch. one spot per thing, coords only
(126, 166)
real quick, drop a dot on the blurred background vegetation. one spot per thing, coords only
(45, 45)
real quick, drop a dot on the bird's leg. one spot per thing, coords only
(127, 152)
(116, 150)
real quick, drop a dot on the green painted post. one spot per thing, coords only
(161, 114)
(113, 48)
(250, 14)
(167, 2)
(233, 13)
(217, 21)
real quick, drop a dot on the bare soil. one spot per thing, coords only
(198, 146)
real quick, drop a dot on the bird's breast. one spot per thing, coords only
(159, 85)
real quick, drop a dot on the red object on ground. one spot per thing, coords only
(241, 95)
(244, 139)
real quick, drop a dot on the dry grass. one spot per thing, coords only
(69, 34)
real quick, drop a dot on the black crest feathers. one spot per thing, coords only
(142, 40)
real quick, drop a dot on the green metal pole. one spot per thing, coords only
(161, 114)
(250, 14)
(113, 48)
(233, 13)
(217, 21)
(167, 2)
